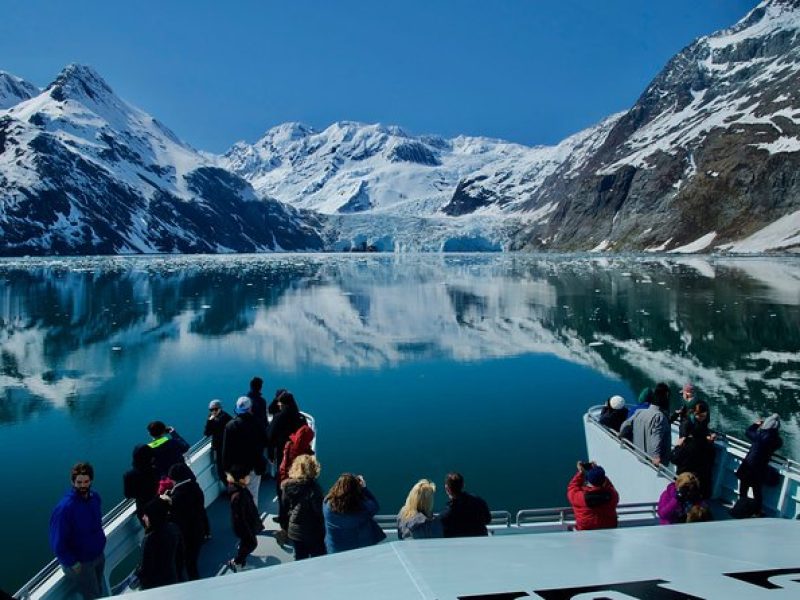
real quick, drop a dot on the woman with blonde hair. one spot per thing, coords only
(301, 499)
(416, 519)
(678, 498)
(349, 511)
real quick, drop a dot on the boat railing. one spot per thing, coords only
(561, 518)
(782, 500)
(500, 519)
(662, 470)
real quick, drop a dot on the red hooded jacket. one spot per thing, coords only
(595, 507)
(299, 443)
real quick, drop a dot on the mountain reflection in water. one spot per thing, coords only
(730, 326)
(474, 362)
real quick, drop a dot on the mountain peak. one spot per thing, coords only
(79, 82)
(13, 90)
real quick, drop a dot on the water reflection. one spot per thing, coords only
(79, 328)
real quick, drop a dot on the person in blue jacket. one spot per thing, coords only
(765, 441)
(77, 537)
(349, 510)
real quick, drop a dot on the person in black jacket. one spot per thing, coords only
(765, 440)
(215, 427)
(244, 517)
(287, 420)
(162, 549)
(243, 445)
(141, 482)
(167, 445)
(188, 512)
(302, 500)
(283, 425)
(613, 413)
(258, 401)
(465, 515)
(694, 451)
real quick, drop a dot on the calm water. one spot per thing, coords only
(412, 365)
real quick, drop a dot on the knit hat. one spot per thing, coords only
(596, 476)
(771, 422)
(214, 404)
(616, 402)
(243, 405)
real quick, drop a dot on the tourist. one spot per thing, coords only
(188, 512)
(689, 399)
(694, 451)
(764, 439)
(77, 537)
(284, 423)
(613, 413)
(302, 499)
(244, 516)
(162, 548)
(167, 445)
(299, 444)
(287, 420)
(678, 497)
(141, 482)
(465, 514)
(243, 445)
(649, 427)
(416, 519)
(215, 427)
(258, 401)
(593, 498)
(349, 511)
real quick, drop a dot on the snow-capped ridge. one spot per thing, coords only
(14, 90)
(79, 82)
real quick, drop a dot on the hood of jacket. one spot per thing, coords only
(302, 438)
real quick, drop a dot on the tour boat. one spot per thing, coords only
(535, 553)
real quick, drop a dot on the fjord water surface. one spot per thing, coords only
(412, 365)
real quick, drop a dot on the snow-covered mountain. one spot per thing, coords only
(394, 191)
(14, 90)
(82, 171)
(705, 159)
(358, 168)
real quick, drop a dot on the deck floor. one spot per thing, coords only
(222, 545)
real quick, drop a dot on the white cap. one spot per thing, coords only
(243, 405)
(616, 402)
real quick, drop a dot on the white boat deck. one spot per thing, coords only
(752, 559)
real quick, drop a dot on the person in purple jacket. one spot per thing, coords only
(678, 499)
(77, 537)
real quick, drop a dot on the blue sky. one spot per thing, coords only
(528, 71)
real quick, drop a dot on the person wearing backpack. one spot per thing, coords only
(245, 519)
(188, 512)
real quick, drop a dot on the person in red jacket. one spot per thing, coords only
(593, 498)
